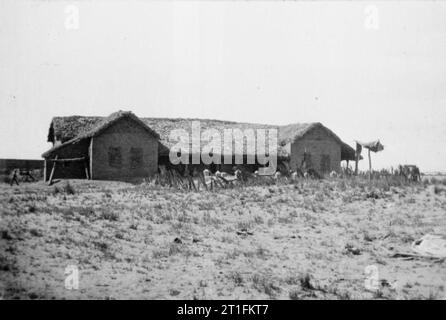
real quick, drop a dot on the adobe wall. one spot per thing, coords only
(317, 143)
(124, 135)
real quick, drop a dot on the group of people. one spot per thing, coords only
(17, 175)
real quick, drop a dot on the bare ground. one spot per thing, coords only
(309, 240)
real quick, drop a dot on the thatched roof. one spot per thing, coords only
(68, 128)
(293, 132)
(74, 128)
(86, 127)
(374, 146)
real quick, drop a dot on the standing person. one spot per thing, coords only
(15, 177)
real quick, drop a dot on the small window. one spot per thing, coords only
(114, 157)
(135, 158)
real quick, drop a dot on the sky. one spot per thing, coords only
(366, 70)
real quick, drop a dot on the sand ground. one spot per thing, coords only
(306, 240)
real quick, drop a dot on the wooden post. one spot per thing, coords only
(370, 165)
(68, 159)
(219, 180)
(179, 180)
(171, 178)
(358, 156)
(86, 170)
(50, 181)
(192, 183)
(202, 179)
(44, 170)
(90, 155)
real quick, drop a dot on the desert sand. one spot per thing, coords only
(302, 240)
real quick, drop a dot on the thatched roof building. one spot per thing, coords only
(123, 146)
(72, 129)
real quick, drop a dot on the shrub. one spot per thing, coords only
(265, 284)
(69, 189)
(292, 280)
(438, 190)
(35, 232)
(110, 215)
(174, 249)
(294, 295)
(205, 205)
(157, 254)
(56, 190)
(305, 281)
(237, 278)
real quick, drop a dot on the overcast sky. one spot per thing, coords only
(366, 70)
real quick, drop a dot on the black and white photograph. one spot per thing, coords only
(222, 151)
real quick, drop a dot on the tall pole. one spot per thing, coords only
(358, 155)
(370, 165)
